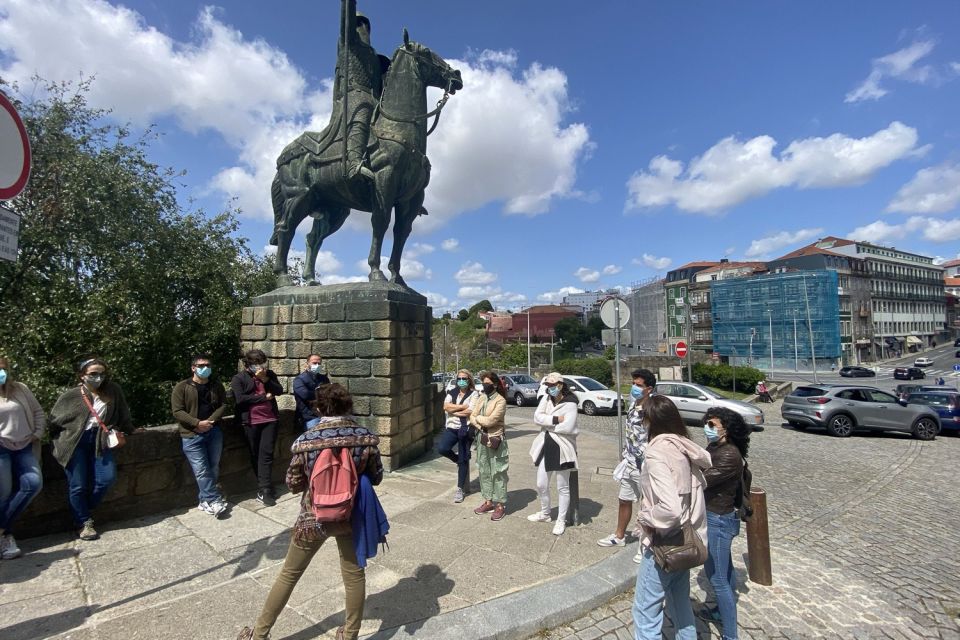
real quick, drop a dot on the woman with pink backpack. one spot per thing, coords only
(336, 501)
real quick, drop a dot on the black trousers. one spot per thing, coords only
(261, 439)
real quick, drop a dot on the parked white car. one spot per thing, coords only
(592, 396)
(693, 401)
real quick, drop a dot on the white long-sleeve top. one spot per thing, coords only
(563, 433)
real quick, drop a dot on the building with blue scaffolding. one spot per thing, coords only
(778, 321)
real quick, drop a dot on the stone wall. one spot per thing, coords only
(374, 339)
(152, 476)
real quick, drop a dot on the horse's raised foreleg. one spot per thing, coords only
(406, 212)
(325, 224)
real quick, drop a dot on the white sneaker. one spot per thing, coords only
(8, 547)
(559, 528)
(612, 541)
(539, 516)
(638, 558)
(214, 508)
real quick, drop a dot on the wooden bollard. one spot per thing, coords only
(573, 513)
(758, 540)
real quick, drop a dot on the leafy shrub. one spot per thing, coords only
(596, 368)
(721, 376)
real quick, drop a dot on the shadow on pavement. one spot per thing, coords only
(30, 566)
(519, 499)
(45, 626)
(407, 604)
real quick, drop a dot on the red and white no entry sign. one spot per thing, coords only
(14, 151)
(681, 349)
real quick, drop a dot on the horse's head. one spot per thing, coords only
(432, 69)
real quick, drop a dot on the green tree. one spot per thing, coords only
(513, 355)
(110, 264)
(462, 315)
(480, 307)
(595, 328)
(570, 331)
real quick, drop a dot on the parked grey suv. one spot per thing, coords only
(521, 389)
(842, 409)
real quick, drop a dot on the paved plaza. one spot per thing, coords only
(865, 536)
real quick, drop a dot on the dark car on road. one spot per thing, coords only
(956, 342)
(857, 372)
(909, 373)
(843, 409)
(945, 403)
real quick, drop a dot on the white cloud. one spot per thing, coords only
(655, 263)
(499, 105)
(450, 244)
(932, 190)
(335, 279)
(584, 274)
(472, 294)
(955, 67)
(472, 273)
(766, 246)
(557, 296)
(934, 230)
(612, 270)
(900, 64)
(418, 249)
(437, 300)
(733, 171)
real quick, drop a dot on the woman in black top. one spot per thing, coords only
(728, 438)
(255, 390)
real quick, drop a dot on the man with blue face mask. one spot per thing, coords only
(305, 390)
(198, 405)
(627, 472)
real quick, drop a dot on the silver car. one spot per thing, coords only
(842, 409)
(693, 400)
(521, 389)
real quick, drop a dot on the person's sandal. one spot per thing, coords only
(498, 513)
(339, 633)
(245, 634)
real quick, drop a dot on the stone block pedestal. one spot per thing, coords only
(374, 339)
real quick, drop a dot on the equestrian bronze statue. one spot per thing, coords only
(371, 157)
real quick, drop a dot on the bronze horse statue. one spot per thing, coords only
(310, 177)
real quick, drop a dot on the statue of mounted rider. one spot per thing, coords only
(372, 155)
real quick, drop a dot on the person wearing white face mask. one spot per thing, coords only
(22, 423)
(554, 450)
(627, 472)
(305, 390)
(83, 428)
(457, 437)
(197, 404)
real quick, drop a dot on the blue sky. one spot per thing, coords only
(594, 144)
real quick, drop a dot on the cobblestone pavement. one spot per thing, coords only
(864, 537)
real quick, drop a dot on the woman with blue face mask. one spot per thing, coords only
(728, 440)
(458, 436)
(79, 426)
(554, 450)
(22, 423)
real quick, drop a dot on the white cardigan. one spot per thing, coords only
(564, 433)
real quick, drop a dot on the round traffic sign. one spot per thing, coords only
(956, 367)
(614, 309)
(681, 349)
(14, 151)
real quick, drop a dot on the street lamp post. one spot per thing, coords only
(770, 314)
(528, 342)
(753, 332)
(813, 353)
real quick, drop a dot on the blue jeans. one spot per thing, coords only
(656, 589)
(721, 530)
(203, 453)
(450, 440)
(18, 469)
(88, 477)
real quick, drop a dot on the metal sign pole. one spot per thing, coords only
(616, 330)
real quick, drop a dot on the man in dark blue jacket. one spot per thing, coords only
(305, 390)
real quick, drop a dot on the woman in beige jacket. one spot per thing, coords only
(671, 487)
(493, 455)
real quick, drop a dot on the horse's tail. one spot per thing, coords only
(276, 195)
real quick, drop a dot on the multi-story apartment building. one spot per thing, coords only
(951, 277)
(857, 337)
(786, 320)
(676, 291)
(648, 319)
(908, 308)
(588, 301)
(701, 319)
